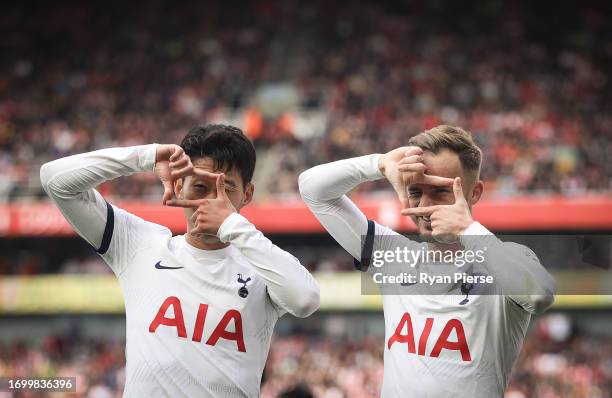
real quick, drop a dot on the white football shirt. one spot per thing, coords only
(199, 322)
(435, 345)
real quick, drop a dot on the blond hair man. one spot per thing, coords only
(444, 337)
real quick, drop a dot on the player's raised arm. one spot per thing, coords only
(290, 285)
(324, 189)
(70, 183)
(517, 270)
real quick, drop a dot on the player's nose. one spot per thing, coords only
(425, 201)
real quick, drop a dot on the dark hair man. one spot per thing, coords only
(200, 307)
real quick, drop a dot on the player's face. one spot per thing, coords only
(192, 187)
(444, 164)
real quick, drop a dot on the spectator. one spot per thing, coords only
(368, 76)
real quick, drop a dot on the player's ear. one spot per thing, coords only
(248, 194)
(178, 188)
(476, 192)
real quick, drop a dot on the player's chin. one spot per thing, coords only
(203, 236)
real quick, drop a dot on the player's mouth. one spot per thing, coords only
(426, 222)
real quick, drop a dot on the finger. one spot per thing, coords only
(200, 226)
(204, 174)
(458, 190)
(197, 215)
(178, 152)
(413, 150)
(168, 192)
(180, 163)
(186, 203)
(419, 211)
(437, 181)
(412, 167)
(185, 171)
(411, 159)
(221, 186)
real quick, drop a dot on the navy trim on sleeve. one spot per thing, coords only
(108, 230)
(366, 252)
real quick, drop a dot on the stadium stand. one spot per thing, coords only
(366, 78)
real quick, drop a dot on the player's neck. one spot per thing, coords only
(199, 243)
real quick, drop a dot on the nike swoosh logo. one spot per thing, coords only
(159, 266)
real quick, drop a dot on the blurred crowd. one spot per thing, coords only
(52, 258)
(32, 263)
(309, 82)
(581, 367)
(577, 366)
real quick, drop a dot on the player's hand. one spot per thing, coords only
(209, 213)
(404, 166)
(447, 221)
(171, 163)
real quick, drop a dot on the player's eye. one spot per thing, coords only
(199, 186)
(414, 194)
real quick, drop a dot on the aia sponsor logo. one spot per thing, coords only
(178, 322)
(442, 341)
